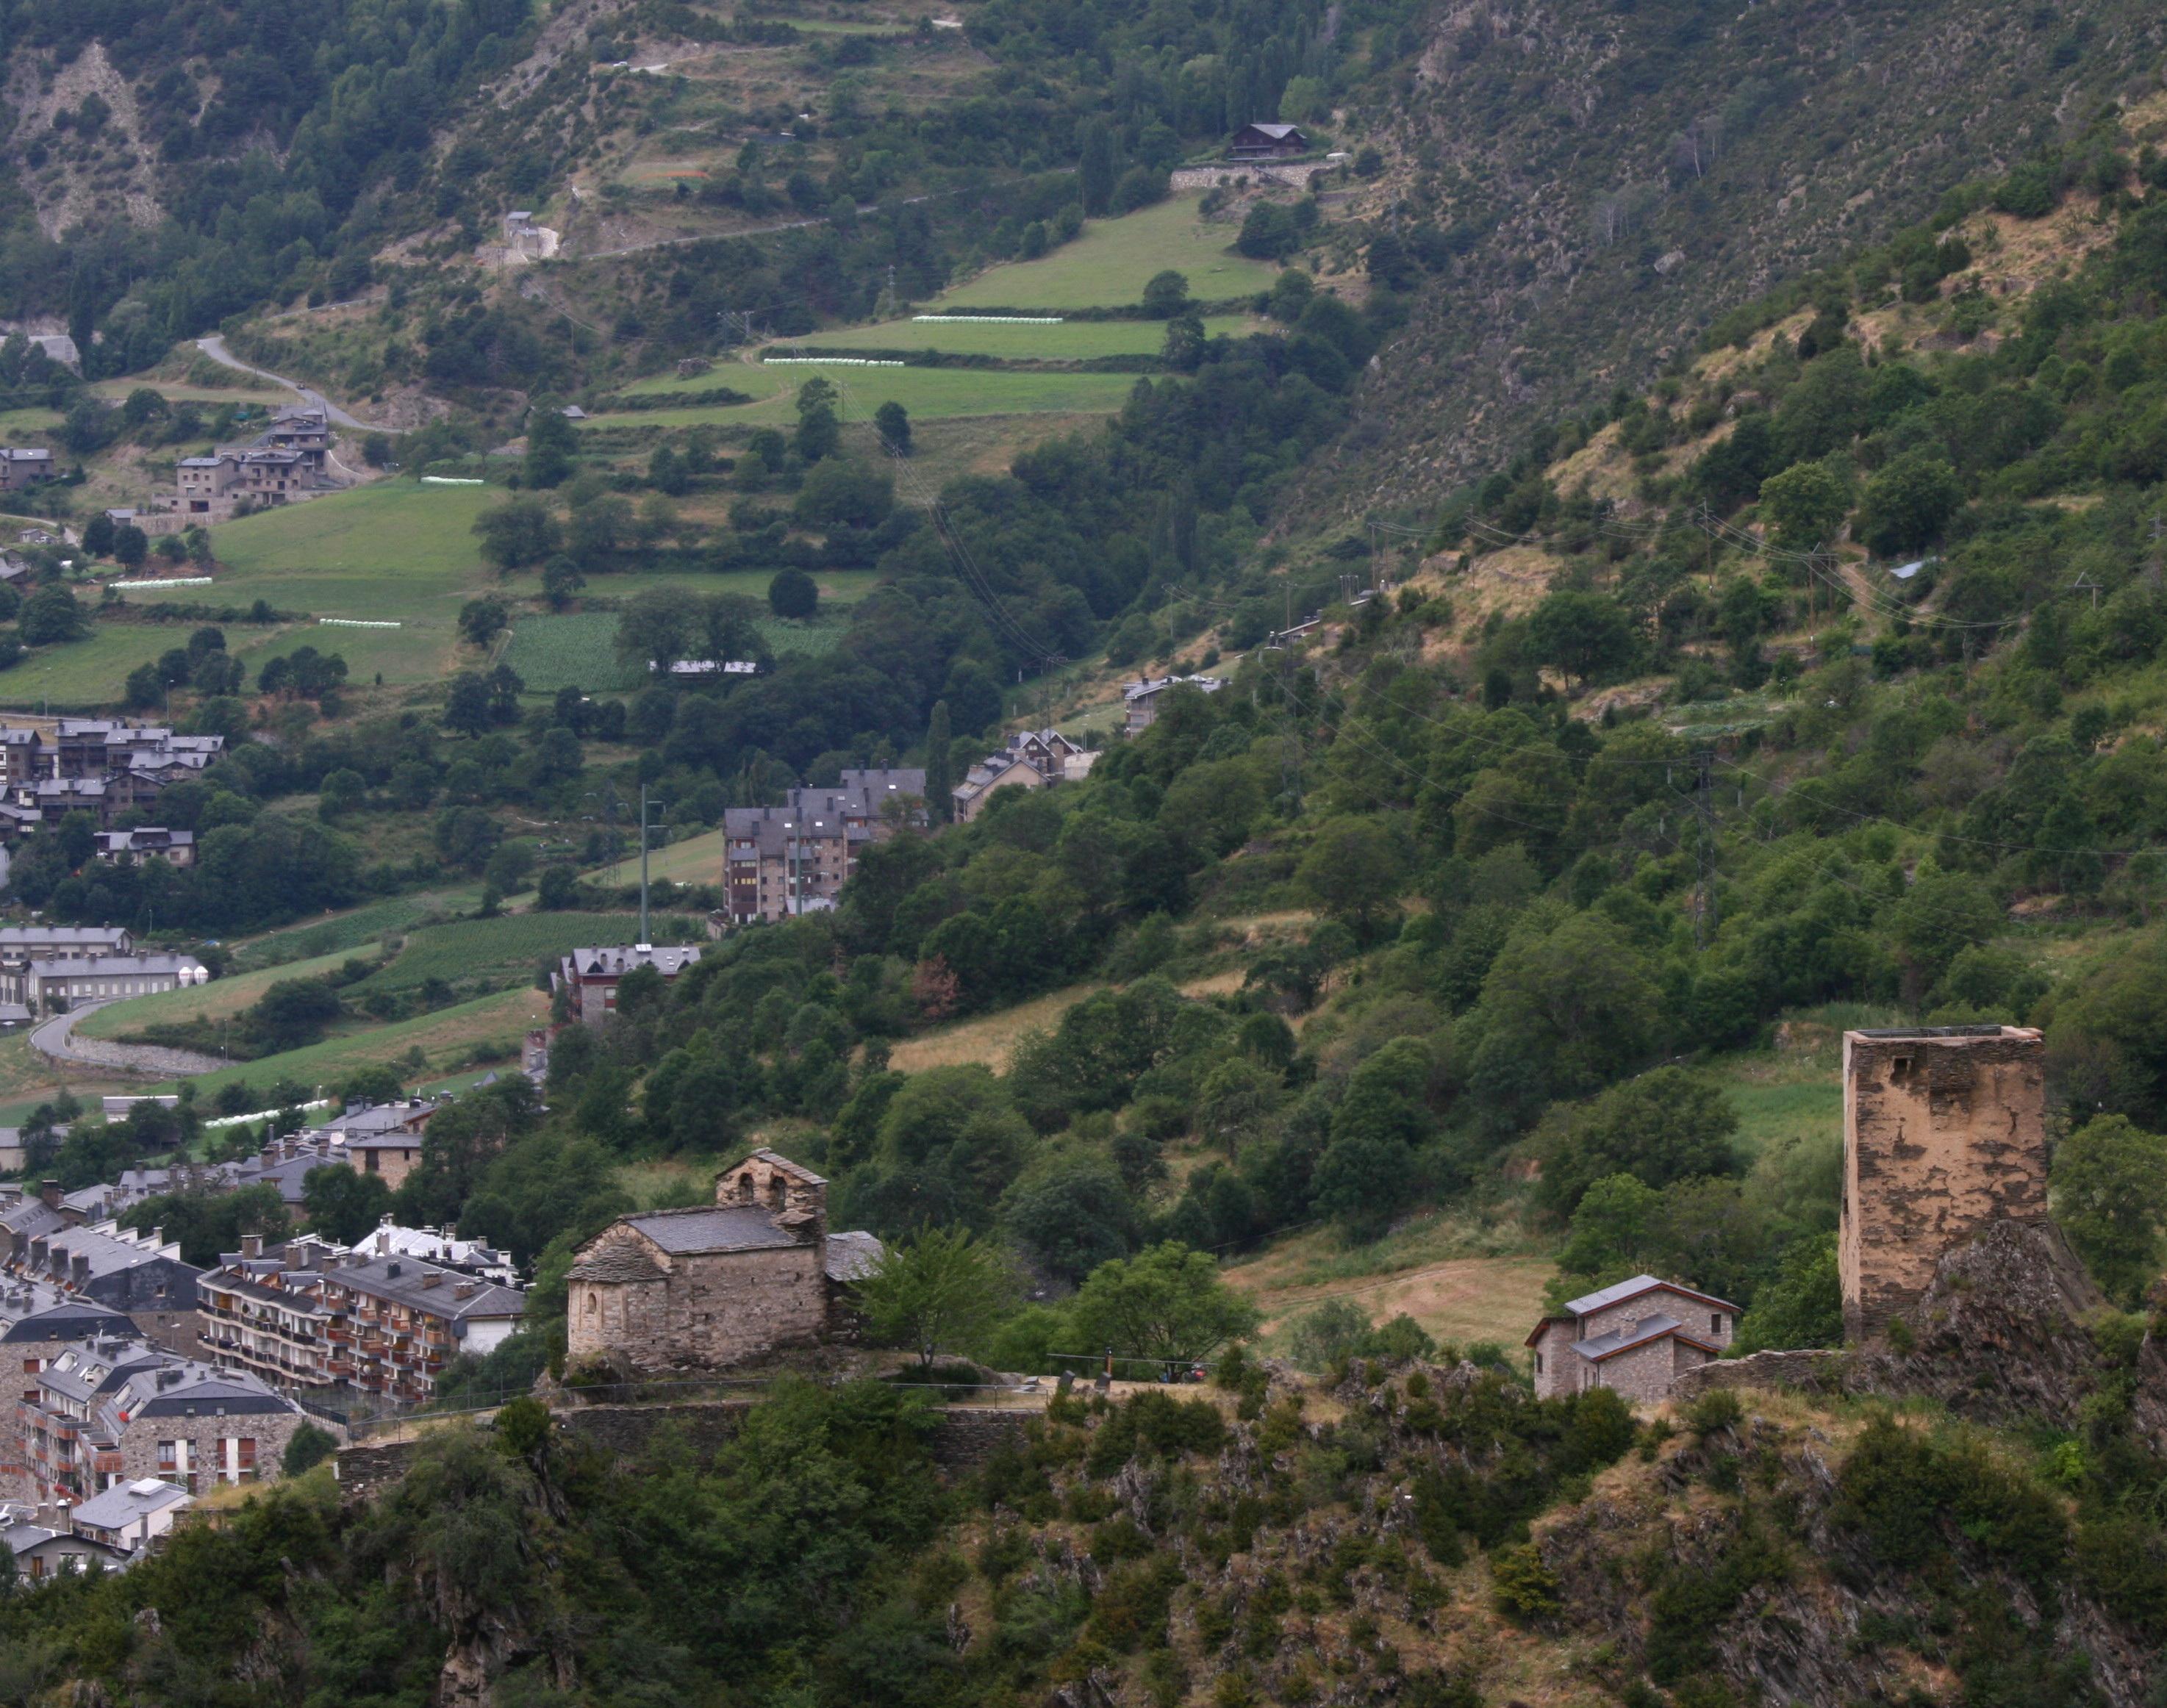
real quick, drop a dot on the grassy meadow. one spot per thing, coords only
(1072, 341)
(930, 394)
(1108, 265)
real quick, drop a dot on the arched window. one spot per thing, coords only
(775, 1192)
(744, 1189)
(594, 1302)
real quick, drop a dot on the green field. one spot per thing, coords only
(215, 1001)
(1107, 267)
(511, 944)
(91, 672)
(930, 394)
(1072, 341)
(575, 650)
(344, 933)
(697, 859)
(443, 1038)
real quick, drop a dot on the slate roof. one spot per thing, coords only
(852, 1257)
(36, 937)
(713, 1228)
(1640, 1333)
(616, 1263)
(122, 1504)
(401, 1278)
(1603, 1298)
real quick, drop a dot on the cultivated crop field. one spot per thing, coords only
(1021, 341)
(576, 649)
(1108, 265)
(514, 943)
(930, 394)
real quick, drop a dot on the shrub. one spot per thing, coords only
(1718, 1409)
(1525, 1588)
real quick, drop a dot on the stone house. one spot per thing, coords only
(1944, 1133)
(1267, 142)
(38, 1323)
(1032, 759)
(589, 977)
(1636, 1337)
(21, 468)
(673, 1291)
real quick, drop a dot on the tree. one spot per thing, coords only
(1802, 1307)
(306, 1448)
(1667, 1124)
(517, 533)
(1183, 348)
(343, 791)
(291, 1014)
(481, 621)
(467, 706)
(1096, 167)
(144, 689)
(1806, 504)
(2109, 1191)
(550, 445)
(342, 1203)
(944, 1287)
(842, 492)
(1909, 503)
(130, 546)
(1940, 915)
(561, 581)
(1168, 1303)
(1165, 294)
(1071, 1214)
(601, 528)
(50, 615)
(939, 773)
(818, 431)
(1586, 635)
(1356, 872)
(1270, 232)
(793, 594)
(97, 535)
(892, 421)
(659, 625)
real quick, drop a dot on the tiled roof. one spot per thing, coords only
(614, 1263)
(402, 1278)
(1632, 1335)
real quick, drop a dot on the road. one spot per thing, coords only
(54, 1038)
(215, 347)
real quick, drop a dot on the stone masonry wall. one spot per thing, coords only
(271, 1430)
(1645, 1375)
(1942, 1136)
(966, 1436)
(711, 1310)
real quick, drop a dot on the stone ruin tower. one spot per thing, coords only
(1944, 1133)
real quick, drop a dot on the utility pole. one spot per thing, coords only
(644, 939)
(1707, 916)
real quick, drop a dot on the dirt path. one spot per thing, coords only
(55, 1040)
(215, 347)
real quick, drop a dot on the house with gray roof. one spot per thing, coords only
(589, 977)
(395, 1322)
(136, 1272)
(672, 1292)
(128, 1516)
(1637, 1337)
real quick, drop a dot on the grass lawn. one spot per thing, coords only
(930, 394)
(990, 1038)
(1108, 265)
(1456, 1299)
(27, 1079)
(697, 859)
(90, 672)
(1073, 340)
(15, 424)
(443, 1038)
(511, 943)
(215, 1001)
(341, 934)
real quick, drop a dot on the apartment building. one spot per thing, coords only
(139, 1274)
(311, 1315)
(780, 862)
(111, 1412)
(395, 1322)
(62, 942)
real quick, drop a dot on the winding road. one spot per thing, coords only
(54, 1038)
(215, 347)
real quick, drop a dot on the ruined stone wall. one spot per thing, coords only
(1943, 1136)
(711, 1310)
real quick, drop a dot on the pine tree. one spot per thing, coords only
(939, 776)
(1096, 169)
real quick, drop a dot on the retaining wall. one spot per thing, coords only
(966, 1436)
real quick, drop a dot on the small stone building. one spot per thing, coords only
(1636, 1337)
(676, 1292)
(1944, 1133)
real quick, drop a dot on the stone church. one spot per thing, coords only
(678, 1292)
